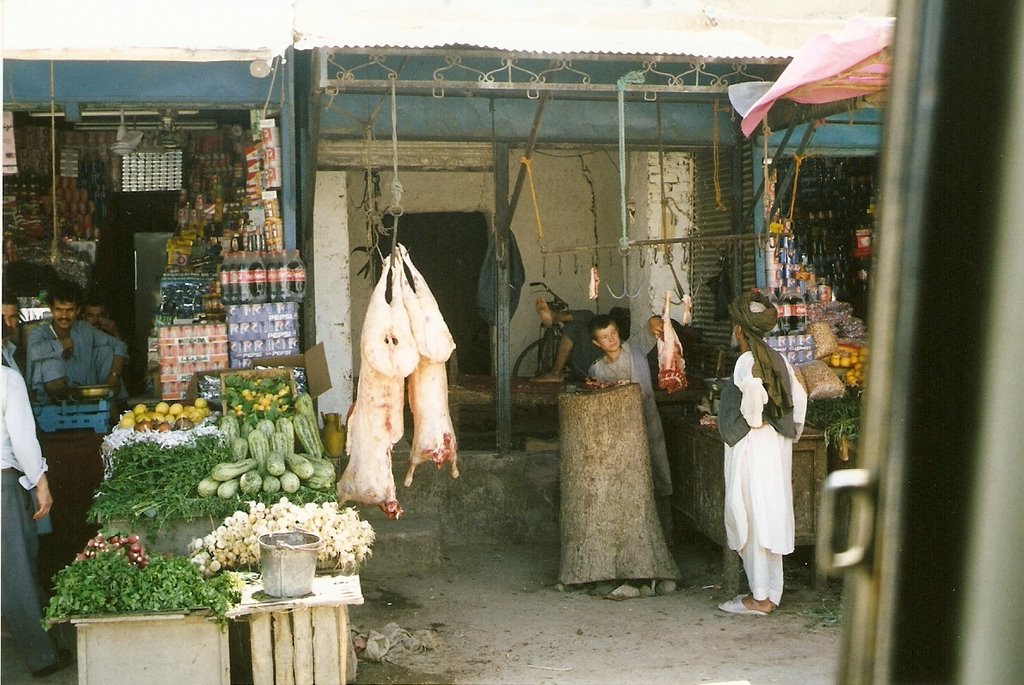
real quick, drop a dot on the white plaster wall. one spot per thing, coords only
(331, 280)
(678, 222)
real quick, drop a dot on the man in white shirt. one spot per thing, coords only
(23, 469)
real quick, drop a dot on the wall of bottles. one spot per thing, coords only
(824, 253)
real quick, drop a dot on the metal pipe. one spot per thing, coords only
(706, 240)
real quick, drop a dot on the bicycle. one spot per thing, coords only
(539, 355)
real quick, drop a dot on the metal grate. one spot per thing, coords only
(146, 171)
(710, 221)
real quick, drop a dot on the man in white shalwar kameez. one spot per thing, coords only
(760, 417)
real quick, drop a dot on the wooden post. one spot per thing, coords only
(610, 526)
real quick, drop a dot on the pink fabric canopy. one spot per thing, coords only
(832, 66)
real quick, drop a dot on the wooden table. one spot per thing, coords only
(301, 639)
(696, 456)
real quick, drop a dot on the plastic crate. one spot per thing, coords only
(93, 416)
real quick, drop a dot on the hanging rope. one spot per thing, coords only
(395, 209)
(661, 186)
(528, 163)
(54, 250)
(797, 161)
(634, 78)
(719, 205)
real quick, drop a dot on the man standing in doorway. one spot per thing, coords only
(760, 416)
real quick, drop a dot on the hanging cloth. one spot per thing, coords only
(485, 285)
(721, 288)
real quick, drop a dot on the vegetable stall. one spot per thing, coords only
(189, 498)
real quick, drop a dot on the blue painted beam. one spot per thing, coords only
(565, 121)
(209, 84)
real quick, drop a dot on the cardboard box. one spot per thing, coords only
(314, 361)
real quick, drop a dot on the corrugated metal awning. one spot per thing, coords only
(211, 30)
(741, 30)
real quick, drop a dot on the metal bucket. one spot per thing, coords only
(288, 562)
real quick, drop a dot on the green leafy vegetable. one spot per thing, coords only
(152, 484)
(836, 418)
(108, 584)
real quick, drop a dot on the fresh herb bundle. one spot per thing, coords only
(108, 584)
(151, 484)
(837, 418)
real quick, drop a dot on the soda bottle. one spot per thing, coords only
(223, 278)
(274, 285)
(243, 293)
(257, 278)
(296, 276)
(284, 276)
(231, 295)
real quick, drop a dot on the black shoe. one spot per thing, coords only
(62, 662)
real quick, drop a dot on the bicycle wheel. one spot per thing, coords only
(538, 357)
(528, 360)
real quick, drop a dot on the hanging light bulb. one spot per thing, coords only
(259, 68)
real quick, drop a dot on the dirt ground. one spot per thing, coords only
(501, 618)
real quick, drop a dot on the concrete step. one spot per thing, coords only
(412, 541)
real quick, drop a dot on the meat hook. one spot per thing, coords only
(625, 294)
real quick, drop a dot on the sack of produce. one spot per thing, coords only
(799, 373)
(820, 381)
(825, 342)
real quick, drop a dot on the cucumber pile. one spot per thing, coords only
(265, 457)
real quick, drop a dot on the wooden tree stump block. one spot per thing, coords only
(610, 526)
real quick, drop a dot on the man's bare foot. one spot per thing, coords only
(547, 319)
(549, 378)
(764, 605)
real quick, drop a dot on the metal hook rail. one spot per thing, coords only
(703, 240)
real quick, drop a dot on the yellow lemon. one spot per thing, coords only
(140, 409)
(127, 421)
(161, 408)
(200, 403)
(176, 409)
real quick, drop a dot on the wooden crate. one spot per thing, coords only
(301, 646)
(300, 640)
(283, 373)
(155, 649)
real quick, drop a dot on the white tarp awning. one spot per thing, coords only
(178, 30)
(211, 30)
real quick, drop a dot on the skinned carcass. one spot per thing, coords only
(433, 437)
(406, 337)
(368, 477)
(376, 420)
(671, 366)
(387, 342)
(433, 339)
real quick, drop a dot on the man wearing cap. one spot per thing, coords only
(760, 416)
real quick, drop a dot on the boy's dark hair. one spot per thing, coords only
(10, 298)
(64, 291)
(600, 322)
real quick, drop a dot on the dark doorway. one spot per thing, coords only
(115, 275)
(448, 248)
